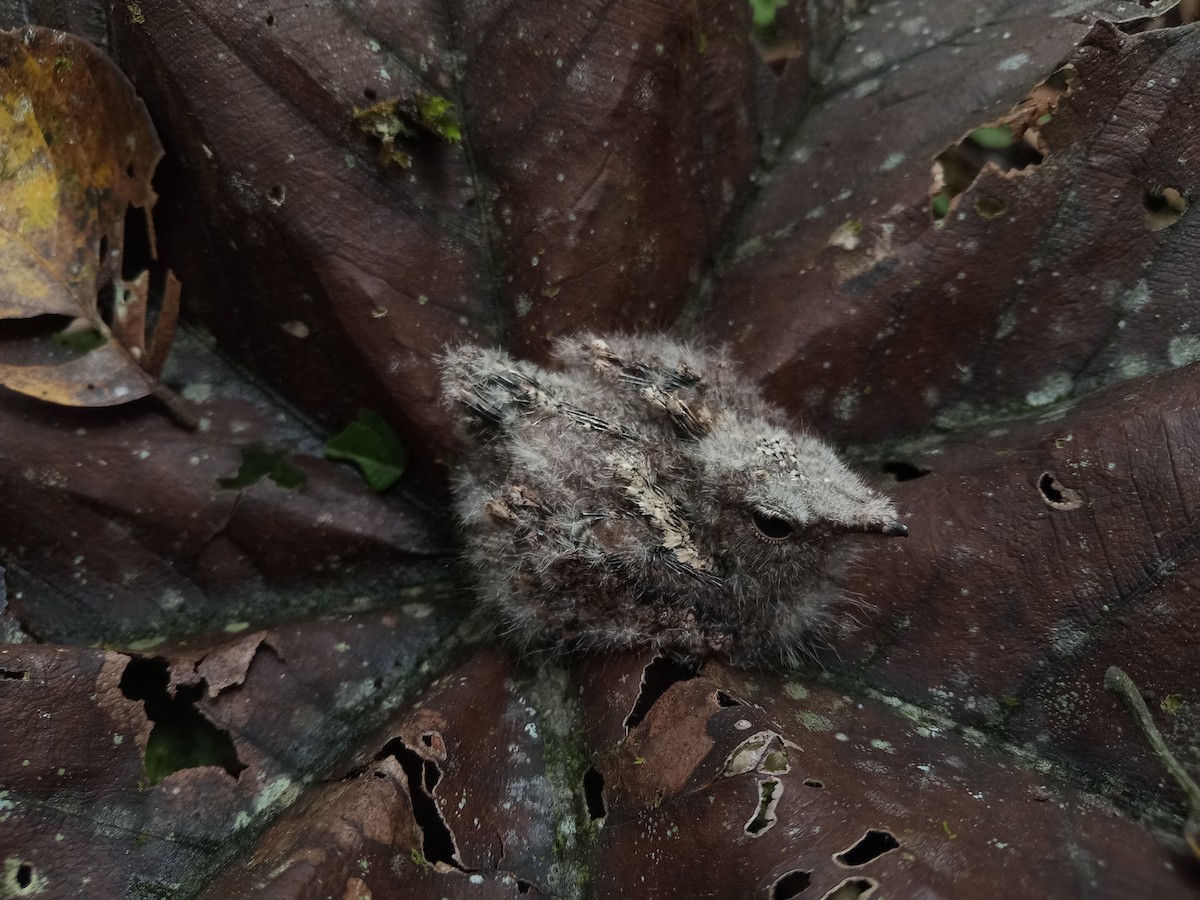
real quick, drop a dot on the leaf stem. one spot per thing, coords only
(1116, 681)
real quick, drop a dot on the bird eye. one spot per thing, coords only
(773, 528)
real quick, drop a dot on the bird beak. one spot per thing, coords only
(890, 528)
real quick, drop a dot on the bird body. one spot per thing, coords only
(644, 492)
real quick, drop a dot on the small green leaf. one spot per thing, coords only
(370, 444)
(764, 11)
(258, 462)
(993, 138)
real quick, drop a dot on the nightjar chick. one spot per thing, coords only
(644, 492)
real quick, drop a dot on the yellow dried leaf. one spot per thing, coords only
(77, 149)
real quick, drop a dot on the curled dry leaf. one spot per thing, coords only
(78, 152)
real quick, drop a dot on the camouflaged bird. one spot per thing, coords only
(646, 493)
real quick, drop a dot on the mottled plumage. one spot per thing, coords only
(646, 493)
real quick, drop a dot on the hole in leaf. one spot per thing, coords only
(852, 889)
(813, 783)
(657, 678)
(277, 193)
(1011, 143)
(370, 93)
(422, 775)
(593, 793)
(724, 700)
(24, 875)
(790, 885)
(1056, 495)
(769, 792)
(1164, 207)
(129, 170)
(80, 337)
(135, 252)
(903, 470)
(872, 845)
(14, 674)
(103, 253)
(775, 41)
(270, 20)
(524, 887)
(427, 739)
(990, 207)
(181, 738)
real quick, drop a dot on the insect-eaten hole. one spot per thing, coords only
(769, 792)
(593, 794)
(1012, 143)
(181, 738)
(269, 19)
(903, 470)
(135, 251)
(871, 845)
(814, 783)
(277, 193)
(724, 700)
(790, 884)
(776, 35)
(1164, 207)
(422, 776)
(1057, 496)
(24, 875)
(523, 886)
(14, 674)
(853, 889)
(990, 207)
(657, 678)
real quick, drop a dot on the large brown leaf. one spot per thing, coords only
(1021, 369)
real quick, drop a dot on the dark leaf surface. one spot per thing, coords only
(1019, 375)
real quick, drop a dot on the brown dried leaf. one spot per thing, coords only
(782, 207)
(78, 151)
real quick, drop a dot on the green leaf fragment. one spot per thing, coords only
(993, 138)
(941, 205)
(406, 118)
(258, 462)
(370, 444)
(763, 11)
(438, 116)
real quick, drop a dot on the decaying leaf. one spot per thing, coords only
(77, 151)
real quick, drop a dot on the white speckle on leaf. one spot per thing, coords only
(1053, 388)
(1184, 349)
(1014, 62)
(295, 328)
